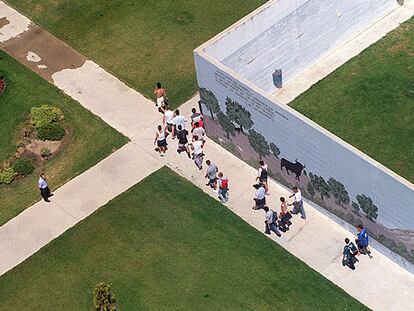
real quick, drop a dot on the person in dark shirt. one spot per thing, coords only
(182, 140)
(262, 175)
(349, 253)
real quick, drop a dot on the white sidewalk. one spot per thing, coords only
(39, 224)
(378, 283)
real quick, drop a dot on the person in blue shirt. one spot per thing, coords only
(362, 241)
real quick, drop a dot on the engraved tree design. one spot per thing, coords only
(225, 123)
(258, 143)
(238, 114)
(208, 99)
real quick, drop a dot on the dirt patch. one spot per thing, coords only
(54, 54)
(3, 22)
(400, 46)
(28, 144)
(37, 146)
(184, 18)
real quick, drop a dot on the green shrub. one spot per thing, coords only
(45, 152)
(53, 131)
(7, 176)
(23, 166)
(103, 299)
(44, 115)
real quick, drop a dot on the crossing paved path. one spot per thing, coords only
(379, 283)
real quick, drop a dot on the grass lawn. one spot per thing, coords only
(176, 250)
(91, 141)
(369, 102)
(140, 41)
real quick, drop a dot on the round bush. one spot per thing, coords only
(45, 115)
(7, 176)
(23, 166)
(53, 131)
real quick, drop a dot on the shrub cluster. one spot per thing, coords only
(103, 298)
(7, 176)
(23, 166)
(52, 131)
(46, 121)
(45, 115)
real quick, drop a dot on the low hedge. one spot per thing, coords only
(53, 131)
(23, 166)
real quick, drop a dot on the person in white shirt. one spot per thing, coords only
(297, 202)
(195, 116)
(198, 131)
(197, 146)
(168, 118)
(161, 140)
(178, 120)
(262, 175)
(259, 197)
(44, 187)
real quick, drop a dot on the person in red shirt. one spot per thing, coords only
(196, 117)
(223, 184)
(201, 123)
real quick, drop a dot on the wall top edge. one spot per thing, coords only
(308, 121)
(201, 49)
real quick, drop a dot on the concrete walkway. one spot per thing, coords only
(378, 283)
(42, 222)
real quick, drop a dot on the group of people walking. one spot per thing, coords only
(174, 124)
(275, 221)
(281, 221)
(351, 251)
